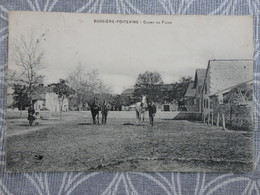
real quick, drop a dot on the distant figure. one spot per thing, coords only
(31, 112)
(37, 119)
(104, 110)
(94, 108)
(140, 108)
(152, 111)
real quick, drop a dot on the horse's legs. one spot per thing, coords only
(137, 117)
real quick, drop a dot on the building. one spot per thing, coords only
(128, 92)
(198, 85)
(46, 99)
(167, 106)
(189, 98)
(223, 74)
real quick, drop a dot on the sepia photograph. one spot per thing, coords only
(141, 93)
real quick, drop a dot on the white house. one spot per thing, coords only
(46, 99)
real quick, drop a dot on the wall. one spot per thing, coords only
(191, 116)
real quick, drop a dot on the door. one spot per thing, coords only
(166, 107)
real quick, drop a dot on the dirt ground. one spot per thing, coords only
(75, 144)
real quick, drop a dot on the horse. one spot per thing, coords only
(94, 108)
(140, 108)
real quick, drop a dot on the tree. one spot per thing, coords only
(20, 96)
(86, 85)
(63, 91)
(27, 56)
(240, 95)
(180, 88)
(146, 84)
(77, 82)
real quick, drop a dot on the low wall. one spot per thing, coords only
(190, 116)
(24, 114)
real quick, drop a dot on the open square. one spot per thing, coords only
(77, 144)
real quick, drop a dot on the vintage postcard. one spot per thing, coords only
(95, 92)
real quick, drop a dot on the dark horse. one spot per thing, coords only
(94, 108)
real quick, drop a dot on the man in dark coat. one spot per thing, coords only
(31, 112)
(152, 111)
(104, 110)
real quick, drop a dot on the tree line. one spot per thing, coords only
(81, 86)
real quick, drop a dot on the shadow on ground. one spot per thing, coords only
(84, 123)
(133, 124)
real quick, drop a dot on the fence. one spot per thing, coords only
(235, 117)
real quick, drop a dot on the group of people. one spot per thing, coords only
(33, 117)
(95, 107)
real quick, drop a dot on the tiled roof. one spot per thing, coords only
(227, 73)
(38, 97)
(128, 91)
(44, 89)
(190, 91)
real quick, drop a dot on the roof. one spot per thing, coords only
(227, 73)
(40, 91)
(38, 97)
(129, 91)
(190, 91)
(226, 90)
(199, 77)
(44, 89)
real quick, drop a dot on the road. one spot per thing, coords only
(74, 144)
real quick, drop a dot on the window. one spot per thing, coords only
(211, 104)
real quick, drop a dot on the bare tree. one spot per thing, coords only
(27, 56)
(86, 85)
(77, 81)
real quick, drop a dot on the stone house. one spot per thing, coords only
(167, 106)
(223, 74)
(198, 85)
(128, 92)
(46, 99)
(189, 98)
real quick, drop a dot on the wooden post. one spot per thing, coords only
(218, 120)
(204, 119)
(223, 120)
(208, 118)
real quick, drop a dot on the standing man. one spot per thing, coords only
(152, 111)
(104, 110)
(31, 112)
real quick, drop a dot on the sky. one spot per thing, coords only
(174, 46)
